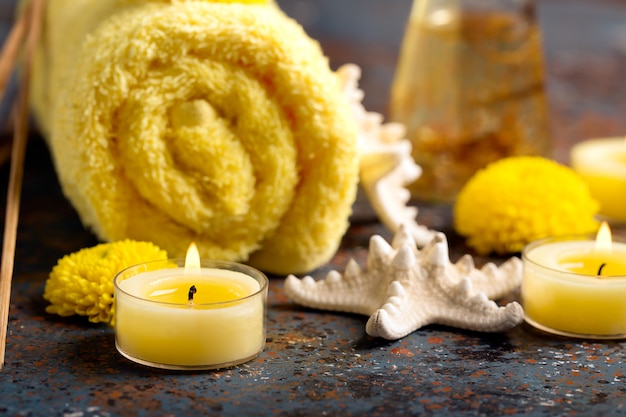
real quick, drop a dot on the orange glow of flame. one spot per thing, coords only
(192, 260)
(604, 242)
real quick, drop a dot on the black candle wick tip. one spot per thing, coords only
(192, 291)
(601, 267)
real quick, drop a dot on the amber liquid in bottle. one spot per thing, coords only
(470, 89)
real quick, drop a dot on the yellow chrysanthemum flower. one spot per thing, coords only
(518, 199)
(82, 282)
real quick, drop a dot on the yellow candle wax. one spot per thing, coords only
(217, 290)
(157, 324)
(595, 263)
(602, 165)
(562, 292)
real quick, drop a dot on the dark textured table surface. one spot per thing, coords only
(321, 363)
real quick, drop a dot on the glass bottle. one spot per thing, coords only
(469, 87)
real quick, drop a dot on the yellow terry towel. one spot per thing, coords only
(179, 121)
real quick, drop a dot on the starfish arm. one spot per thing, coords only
(494, 319)
(334, 293)
(386, 165)
(403, 313)
(406, 308)
(394, 321)
(468, 310)
(495, 282)
(383, 178)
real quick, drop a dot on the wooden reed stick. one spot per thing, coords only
(20, 137)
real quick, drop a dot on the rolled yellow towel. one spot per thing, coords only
(179, 121)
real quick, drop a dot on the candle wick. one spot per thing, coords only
(192, 291)
(601, 268)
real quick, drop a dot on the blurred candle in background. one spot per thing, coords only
(602, 164)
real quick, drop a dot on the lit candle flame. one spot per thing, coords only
(604, 242)
(192, 260)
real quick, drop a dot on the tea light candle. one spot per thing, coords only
(206, 315)
(576, 286)
(602, 165)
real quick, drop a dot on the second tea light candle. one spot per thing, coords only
(572, 288)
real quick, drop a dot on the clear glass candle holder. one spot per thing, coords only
(171, 317)
(569, 288)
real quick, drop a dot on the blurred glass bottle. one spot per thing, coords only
(469, 87)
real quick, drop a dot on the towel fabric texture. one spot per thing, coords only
(180, 121)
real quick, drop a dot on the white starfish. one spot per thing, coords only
(403, 289)
(386, 164)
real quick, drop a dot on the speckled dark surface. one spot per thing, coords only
(318, 363)
(315, 363)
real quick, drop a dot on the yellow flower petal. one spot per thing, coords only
(519, 199)
(82, 283)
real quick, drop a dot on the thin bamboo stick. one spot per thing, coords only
(20, 138)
